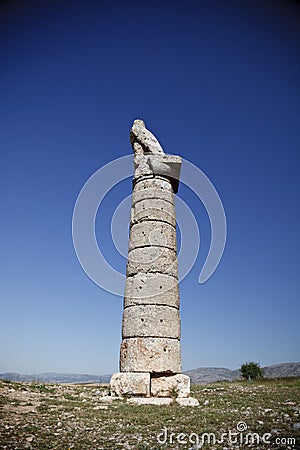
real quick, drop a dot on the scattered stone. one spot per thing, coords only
(197, 447)
(296, 426)
(107, 399)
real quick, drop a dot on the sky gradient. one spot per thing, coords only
(218, 84)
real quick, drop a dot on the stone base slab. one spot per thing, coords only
(163, 401)
(164, 386)
(189, 401)
(130, 383)
(150, 401)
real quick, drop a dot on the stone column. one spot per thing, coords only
(150, 355)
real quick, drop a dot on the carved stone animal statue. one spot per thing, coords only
(143, 141)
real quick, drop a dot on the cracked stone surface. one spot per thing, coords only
(145, 190)
(164, 386)
(152, 233)
(152, 259)
(152, 321)
(149, 354)
(130, 383)
(151, 289)
(153, 209)
(160, 184)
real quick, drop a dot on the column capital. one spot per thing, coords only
(162, 165)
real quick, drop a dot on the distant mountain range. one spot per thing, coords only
(53, 377)
(203, 375)
(212, 374)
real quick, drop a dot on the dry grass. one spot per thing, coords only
(45, 416)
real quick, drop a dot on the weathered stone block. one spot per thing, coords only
(153, 209)
(163, 386)
(152, 192)
(157, 165)
(167, 165)
(130, 383)
(152, 233)
(153, 183)
(151, 321)
(151, 288)
(152, 259)
(150, 355)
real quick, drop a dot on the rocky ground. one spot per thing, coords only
(237, 415)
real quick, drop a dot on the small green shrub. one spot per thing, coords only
(251, 371)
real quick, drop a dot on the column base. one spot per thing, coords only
(130, 383)
(170, 386)
(146, 385)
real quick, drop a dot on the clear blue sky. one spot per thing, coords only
(218, 83)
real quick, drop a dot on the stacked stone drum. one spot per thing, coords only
(151, 322)
(150, 355)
